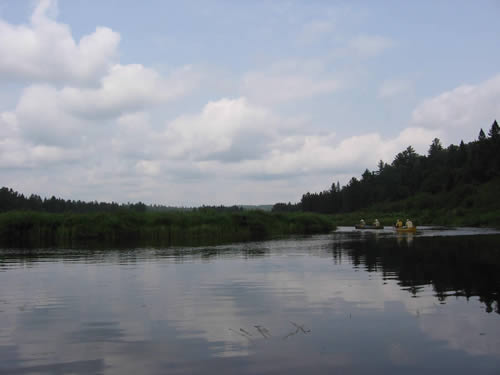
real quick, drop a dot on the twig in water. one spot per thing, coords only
(263, 331)
(241, 334)
(245, 332)
(291, 334)
(300, 327)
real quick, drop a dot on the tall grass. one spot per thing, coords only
(23, 228)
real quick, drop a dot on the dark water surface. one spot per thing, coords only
(352, 302)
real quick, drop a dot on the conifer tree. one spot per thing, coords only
(482, 136)
(494, 131)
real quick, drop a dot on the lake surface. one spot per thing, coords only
(351, 302)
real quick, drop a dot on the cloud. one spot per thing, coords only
(127, 88)
(16, 152)
(107, 118)
(288, 81)
(231, 140)
(227, 129)
(46, 50)
(42, 119)
(64, 117)
(314, 31)
(369, 45)
(301, 155)
(148, 167)
(465, 107)
(392, 88)
(134, 137)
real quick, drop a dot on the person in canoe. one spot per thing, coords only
(360, 225)
(399, 223)
(376, 223)
(407, 228)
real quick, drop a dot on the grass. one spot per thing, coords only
(24, 228)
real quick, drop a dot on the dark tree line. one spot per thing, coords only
(11, 200)
(441, 170)
(220, 208)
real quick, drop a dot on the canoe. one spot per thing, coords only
(405, 229)
(367, 226)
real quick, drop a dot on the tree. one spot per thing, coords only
(380, 166)
(494, 131)
(435, 147)
(366, 175)
(482, 136)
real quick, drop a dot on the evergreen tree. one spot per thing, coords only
(494, 131)
(435, 147)
(482, 136)
(380, 166)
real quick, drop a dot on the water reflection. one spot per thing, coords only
(464, 266)
(346, 302)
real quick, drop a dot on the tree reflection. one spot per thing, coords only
(465, 266)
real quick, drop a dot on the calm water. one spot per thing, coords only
(350, 303)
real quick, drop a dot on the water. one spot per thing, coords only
(351, 302)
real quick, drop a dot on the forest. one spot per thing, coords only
(466, 176)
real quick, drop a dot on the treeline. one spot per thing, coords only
(11, 200)
(455, 169)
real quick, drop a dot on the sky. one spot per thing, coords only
(234, 102)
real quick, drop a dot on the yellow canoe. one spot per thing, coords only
(405, 229)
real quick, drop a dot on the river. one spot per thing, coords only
(350, 302)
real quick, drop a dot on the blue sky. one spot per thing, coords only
(223, 102)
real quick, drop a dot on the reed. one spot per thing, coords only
(203, 227)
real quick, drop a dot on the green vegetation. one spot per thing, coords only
(457, 185)
(200, 227)
(467, 205)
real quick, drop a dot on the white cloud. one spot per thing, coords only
(227, 129)
(127, 88)
(8, 125)
(370, 45)
(315, 31)
(51, 116)
(321, 154)
(134, 138)
(465, 107)
(392, 88)
(89, 107)
(41, 117)
(46, 50)
(289, 80)
(15, 152)
(148, 167)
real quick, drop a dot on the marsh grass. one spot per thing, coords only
(25, 228)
